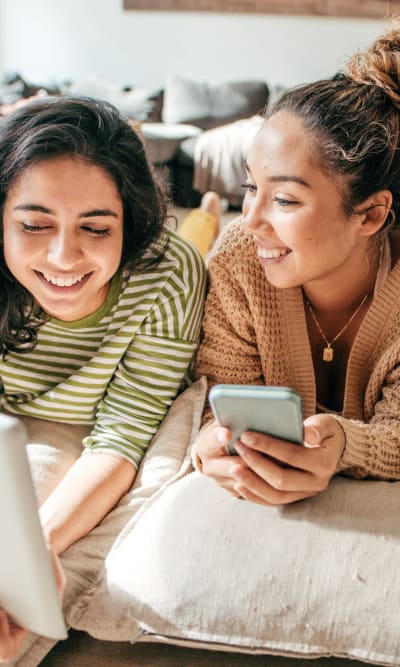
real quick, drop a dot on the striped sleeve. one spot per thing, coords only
(153, 367)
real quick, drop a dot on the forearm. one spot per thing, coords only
(89, 490)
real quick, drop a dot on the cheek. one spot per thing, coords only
(112, 256)
(314, 242)
(12, 247)
(324, 239)
(312, 231)
(249, 203)
(19, 246)
(245, 205)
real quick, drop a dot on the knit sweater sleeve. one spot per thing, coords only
(228, 352)
(373, 447)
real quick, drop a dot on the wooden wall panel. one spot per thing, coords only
(356, 8)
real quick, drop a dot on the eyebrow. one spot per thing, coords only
(281, 178)
(96, 212)
(284, 179)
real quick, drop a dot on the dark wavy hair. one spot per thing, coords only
(96, 132)
(354, 123)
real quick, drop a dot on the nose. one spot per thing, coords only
(64, 250)
(255, 216)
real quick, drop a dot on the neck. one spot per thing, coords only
(344, 295)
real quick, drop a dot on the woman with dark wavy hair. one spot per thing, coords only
(100, 305)
(309, 280)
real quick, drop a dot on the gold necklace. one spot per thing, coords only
(327, 354)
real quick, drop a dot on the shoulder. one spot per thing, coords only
(183, 254)
(233, 242)
(186, 268)
(170, 255)
(235, 254)
(179, 269)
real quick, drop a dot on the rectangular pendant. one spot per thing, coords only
(327, 354)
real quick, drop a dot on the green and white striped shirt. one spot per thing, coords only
(121, 367)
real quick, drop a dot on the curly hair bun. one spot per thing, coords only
(380, 64)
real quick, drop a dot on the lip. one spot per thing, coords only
(273, 254)
(66, 289)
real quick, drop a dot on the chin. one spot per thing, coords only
(282, 282)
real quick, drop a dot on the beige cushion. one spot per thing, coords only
(199, 567)
(52, 451)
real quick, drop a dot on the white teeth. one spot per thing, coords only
(272, 253)
(63, 282)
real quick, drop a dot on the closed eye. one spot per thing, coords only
(34, 229)
(96, 231)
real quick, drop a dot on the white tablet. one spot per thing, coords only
(27, 584)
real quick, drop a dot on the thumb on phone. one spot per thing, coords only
(312, 435)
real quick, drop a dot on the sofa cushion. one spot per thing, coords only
(201, 568)
(211, 104)
(162, 140)
(140, 102)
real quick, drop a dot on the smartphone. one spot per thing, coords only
(276, 411)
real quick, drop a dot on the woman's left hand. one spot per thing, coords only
(12, 635)
(276, 472)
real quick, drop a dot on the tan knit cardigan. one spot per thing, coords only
(254, 333)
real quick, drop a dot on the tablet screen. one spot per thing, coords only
(27, 585)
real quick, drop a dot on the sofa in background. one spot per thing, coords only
(192, 112)
(189, 127)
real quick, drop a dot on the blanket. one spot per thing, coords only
(219, 158)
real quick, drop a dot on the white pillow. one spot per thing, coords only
(53, 450)
(316, 578)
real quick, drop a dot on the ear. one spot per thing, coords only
(372, 214)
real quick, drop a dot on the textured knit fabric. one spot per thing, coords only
(120, 368)
(255, 333)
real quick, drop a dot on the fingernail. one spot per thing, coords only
(312, 437)
(311, 446)
(315, 432)
(247, 439)
(221, 437)
(239, 490)
(240, 448)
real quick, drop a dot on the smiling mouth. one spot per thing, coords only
(272, 253)
(62, 281)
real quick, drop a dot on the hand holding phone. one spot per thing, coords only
(276, 411)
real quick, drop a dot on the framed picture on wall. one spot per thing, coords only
(357, 8)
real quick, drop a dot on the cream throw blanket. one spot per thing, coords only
(219, 158)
